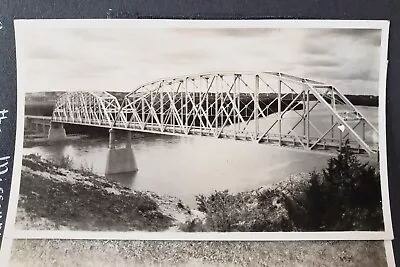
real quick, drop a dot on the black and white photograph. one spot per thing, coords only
(197, 127)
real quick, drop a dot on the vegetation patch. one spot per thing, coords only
(345, 196)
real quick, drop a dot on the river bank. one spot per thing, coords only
(58, 194)
(60, 198)
(52, 197)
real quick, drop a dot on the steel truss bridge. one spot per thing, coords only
(265, 107)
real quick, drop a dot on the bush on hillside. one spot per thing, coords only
(65, 162)
(244, 212)
(346, 195)
(225, 211)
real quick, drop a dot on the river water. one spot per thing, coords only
(187, 166)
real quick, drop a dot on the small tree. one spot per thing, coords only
(345, 196)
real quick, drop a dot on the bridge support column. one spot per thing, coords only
(57, 132)
(120, 160)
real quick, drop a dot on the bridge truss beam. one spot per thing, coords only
(265, 107)
(86, 108)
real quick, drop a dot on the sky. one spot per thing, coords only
(121, 59)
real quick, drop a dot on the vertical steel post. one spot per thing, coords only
(196, 101)
(280, 110)
(181, 103)
(150, 109)
(221, 87)
(207, 104)
(173, 110)
(235, 115)
(199, 105)
(216, 103)
(238, 100)
(256, 104)
(161, 108)
(186, 104)
(142, 103)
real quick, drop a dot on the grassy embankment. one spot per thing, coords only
(57, 197)
(345, 196)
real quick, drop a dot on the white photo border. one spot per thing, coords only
(12, 233)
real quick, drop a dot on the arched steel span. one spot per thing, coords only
(87, 108)
(269, 107)
(265, 107)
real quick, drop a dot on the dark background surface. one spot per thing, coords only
(201, 9)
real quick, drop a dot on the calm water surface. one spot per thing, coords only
(187, 166)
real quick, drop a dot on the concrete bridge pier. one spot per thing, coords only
(56, 131)
(120, 160)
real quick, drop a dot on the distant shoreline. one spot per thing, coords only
(37, 104)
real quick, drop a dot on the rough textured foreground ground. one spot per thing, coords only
(183, 253)
(54, 198)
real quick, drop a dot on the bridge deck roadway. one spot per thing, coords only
(328, 145)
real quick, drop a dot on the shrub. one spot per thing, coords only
(201, 201)
(195, 225)
(145, 203)
(244, 212)
(346, 195)
(86, 170)
(225, 212)
(65, 162)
